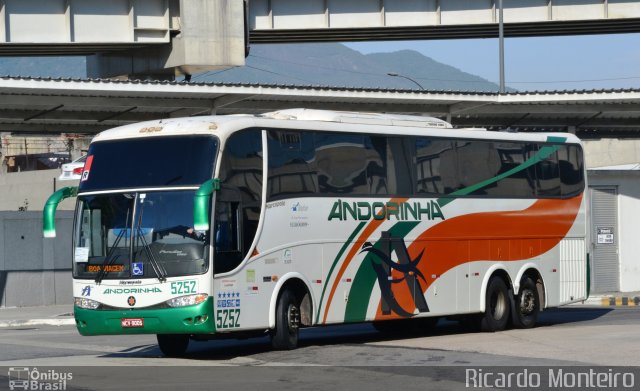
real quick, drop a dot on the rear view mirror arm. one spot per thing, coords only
(49, 211)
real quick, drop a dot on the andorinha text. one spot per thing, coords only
(118, 291)
(428, 210)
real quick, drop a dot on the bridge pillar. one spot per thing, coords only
(212, 36)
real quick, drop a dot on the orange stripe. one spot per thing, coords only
(371, 227)
(497, 236)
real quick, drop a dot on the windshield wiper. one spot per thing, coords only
(158, 269)
(109, 259)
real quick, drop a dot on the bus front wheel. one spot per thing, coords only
(173, 345)
(285, 335)
(527, 305)
(496, 313)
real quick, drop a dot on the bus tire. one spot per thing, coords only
(285, 335)
(173, 345)
(527, 304)
(496, 313)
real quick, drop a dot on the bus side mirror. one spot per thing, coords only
(201, 204)
(49, 211)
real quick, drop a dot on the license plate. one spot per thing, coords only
(132, 322)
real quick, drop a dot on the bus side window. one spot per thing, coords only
(548, 176)
(571, 169)
(226, 227)
(292, 164)
(238, 203)
(92, 224)
(436, 166)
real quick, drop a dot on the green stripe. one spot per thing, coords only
(543, 153)
(556, 139)
(335, 262)
(363, 282)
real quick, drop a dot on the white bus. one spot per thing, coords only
(228, 226)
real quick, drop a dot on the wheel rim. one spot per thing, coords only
(498, 305)
(527, 302)
(293, 318)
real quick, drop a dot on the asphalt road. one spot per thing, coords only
(336, 357)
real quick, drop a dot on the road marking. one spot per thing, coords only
(68, 346)
(37, 322)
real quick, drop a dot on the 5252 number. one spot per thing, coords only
(228, 318)
(183, 287)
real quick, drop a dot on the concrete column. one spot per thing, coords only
(212, 36)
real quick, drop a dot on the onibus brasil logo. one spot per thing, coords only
(21, 378)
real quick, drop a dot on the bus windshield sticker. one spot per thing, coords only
(137, 269)
(87, 168)
(81, 255)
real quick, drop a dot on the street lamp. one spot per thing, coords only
(394, 74)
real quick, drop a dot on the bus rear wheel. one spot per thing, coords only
(527, 305)
(173, 345)
(496, 313)
(285, 335)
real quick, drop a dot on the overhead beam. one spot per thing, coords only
(102, 101)
(53, 128)
(461, 31)
(382, 106)
(79, 116)
(41, 113)
(548, 108)
(540, 122)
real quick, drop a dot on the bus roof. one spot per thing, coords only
(323, 120)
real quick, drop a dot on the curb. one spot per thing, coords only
(620, 301)
(37, 322)
(613, 301)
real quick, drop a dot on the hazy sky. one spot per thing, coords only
(546, 63)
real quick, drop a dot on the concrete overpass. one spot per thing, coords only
(162, 38)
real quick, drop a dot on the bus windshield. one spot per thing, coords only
(138, 235)
(149, 162)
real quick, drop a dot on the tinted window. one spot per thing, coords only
(241, 165)
(548, 172)
(239, 201)
(436, 166)
(400, 165)
(494, 168)
(515, 180)
(351, 164)
(571, 170)
(292, 165)
(150, 162)
(362, 165)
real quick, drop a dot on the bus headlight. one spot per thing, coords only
(86, 303)
(184, 301)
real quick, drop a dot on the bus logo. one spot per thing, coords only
(18, 378)
(408, 267)
(86, 291)
(131, 301)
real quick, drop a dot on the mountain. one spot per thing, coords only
(332, 64)
(319, 64)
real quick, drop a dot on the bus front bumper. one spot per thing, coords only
(196, 319)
